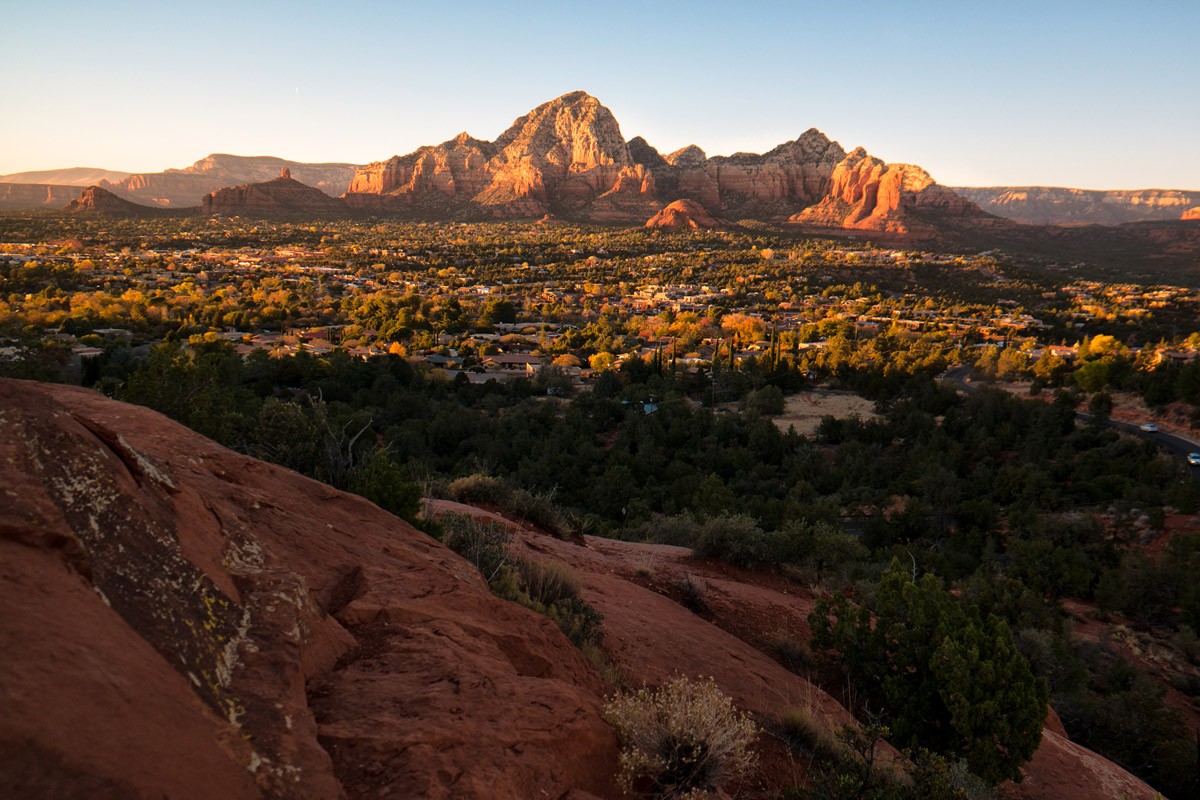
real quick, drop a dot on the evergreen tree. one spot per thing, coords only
(947, 680)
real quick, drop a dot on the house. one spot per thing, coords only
(513, 362)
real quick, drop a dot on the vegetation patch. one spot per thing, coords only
(681, 740)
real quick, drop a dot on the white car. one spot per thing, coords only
(1149, 427)
(1194, 459)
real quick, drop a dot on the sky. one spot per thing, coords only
(1099, 94)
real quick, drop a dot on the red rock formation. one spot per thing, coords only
(867, 194)
(1051, 205)
(181, 621)
(449, 173)
(95, 200)
(568, 157)
(1191, 213)
(562, 155)
(282, 197)
(185, 187)
(36, 195)
(685, 215)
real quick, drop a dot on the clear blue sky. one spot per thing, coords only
(1093, 94)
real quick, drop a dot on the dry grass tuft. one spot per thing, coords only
(685, 738)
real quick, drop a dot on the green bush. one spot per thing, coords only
(948, 680)
(479, 488)
(735, 540)
(382, 482)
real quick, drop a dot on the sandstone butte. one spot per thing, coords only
(1191, 213)
(282, 196)
(95, 200)
(686, 215)
(182, 621)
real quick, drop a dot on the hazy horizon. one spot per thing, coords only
(1083, 95)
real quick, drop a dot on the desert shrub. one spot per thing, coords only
(794, 654)
(694, 592)
(1126, 720)
(484, 544)
(552, 590)
(382, 482)
(803, 730)
(681, 740)
(536, 508)
(603, 664)
(853, 770)
(818, 547)
(950, 680)
(549, 582)
(479, 488)
(681, 530)
(578, 620)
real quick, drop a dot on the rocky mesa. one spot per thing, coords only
(36, 195)
(1053, 205)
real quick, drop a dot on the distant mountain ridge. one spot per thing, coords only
(1055, 205)
(186, 187)
(15, 196)
(71, 176)
(568, 160)
(568, 157)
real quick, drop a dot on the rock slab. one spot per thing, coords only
(182, 621)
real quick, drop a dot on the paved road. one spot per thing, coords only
(1178, 445)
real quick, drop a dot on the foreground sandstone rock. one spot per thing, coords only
(651, 639)
(181, 621)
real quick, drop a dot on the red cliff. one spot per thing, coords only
(182, 621)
